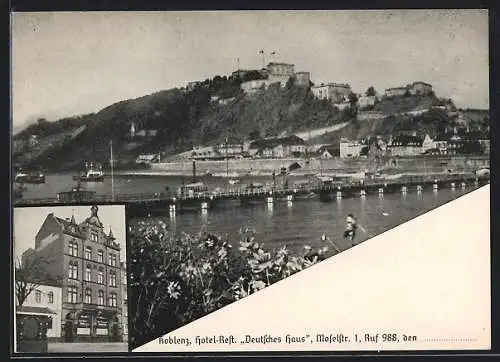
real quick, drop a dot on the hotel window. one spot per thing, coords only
(88, 253)
(94, 236)
(112, 279)
(72, 295)
(100, 298)
(73, 270)
(50, 296)
(100, 276)
(38, 296)
(100, 256)
(88, 296)
(73, 248)
(88, 273)
(112, 301)
(112, 259)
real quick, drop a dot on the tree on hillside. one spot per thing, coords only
(353, 98)
(370, 92)
(30, 274)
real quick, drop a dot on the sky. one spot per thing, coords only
(28, 220)
(65, 64)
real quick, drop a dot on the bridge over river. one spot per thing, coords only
(145, 203)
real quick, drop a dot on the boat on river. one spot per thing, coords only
(192, 189)
(32, 177)
(91, 173)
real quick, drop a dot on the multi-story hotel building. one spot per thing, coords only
(87, 261)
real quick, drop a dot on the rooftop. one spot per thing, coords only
(277, 63)
(273, 142)
(345, 85)
(33, 310)
(395, 88)
(430, 85)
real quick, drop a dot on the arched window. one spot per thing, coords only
(88, 253)
(100, 256)
(88, 296)
(73, 270)
(112, 279)
(100, 276)
(100, 299)
(88, 273)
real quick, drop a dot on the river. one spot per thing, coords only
(295, 224)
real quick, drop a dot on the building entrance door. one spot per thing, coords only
(114, 330)
(32, 334)
(68, 329)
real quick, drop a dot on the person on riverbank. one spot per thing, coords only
(351, 227)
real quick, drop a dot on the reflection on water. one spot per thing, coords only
(295, 223)
(304, 221)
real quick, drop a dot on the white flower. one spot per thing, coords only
(173, 290)
(258, 285)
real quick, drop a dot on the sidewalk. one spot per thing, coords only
(77, 347)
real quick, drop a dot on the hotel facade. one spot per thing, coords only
(87, 262)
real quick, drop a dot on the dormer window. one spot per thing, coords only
(94, 236)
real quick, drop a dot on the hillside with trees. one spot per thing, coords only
(180, 118)
(173, 121)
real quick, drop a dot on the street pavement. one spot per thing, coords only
(80, 347)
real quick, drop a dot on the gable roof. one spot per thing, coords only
(419, 82)
(406, 140)
(68, 225)
(332, 149)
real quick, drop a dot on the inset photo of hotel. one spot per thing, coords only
(70, 279)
